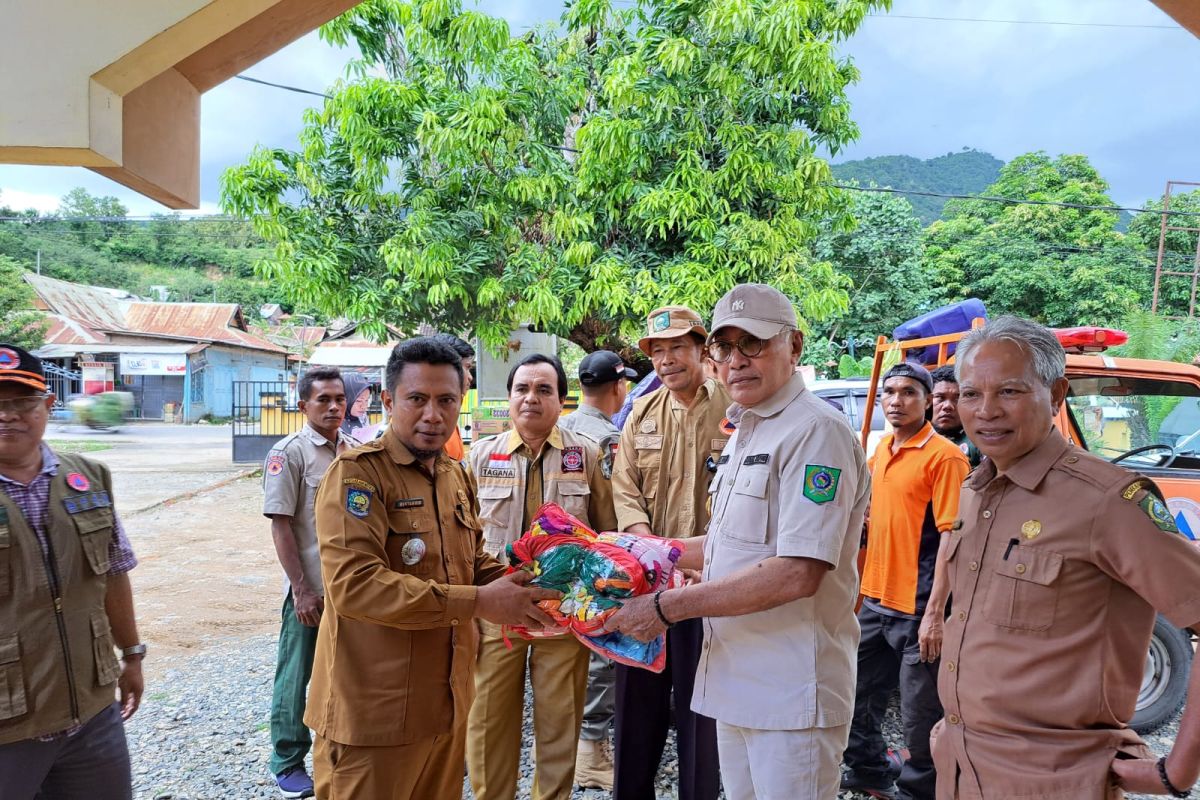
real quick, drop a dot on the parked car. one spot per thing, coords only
(850, 397)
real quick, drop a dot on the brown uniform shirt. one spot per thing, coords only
(1056, 574)
(401, 555)
(662, 470)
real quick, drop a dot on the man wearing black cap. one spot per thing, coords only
(916, 477)
(603, 379)
(65, 603)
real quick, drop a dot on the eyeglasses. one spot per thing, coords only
(22, 405)
(749, 346)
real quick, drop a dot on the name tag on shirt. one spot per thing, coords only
(759, 458)
(647, 442)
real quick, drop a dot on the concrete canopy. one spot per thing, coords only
(115, 86)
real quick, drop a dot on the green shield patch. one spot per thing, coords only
(821, 482)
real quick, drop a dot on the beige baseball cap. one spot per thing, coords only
(669, 322)
(756, 308)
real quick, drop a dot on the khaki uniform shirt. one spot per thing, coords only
(291, 475)
(792, 481)
(667, 459)
(1055, 574)
(514, 483)
(402, 553)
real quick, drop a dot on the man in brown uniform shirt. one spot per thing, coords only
(1060, 563)
(405, 575)
(666, 460)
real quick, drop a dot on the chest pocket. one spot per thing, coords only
(745, 519)
(1023, 594)
(311, 484)
(405, 528)
(495, 512)
(573, 496)
(95, 529)
(648, 452)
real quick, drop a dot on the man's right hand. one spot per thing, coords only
(308, 605)
(508, 601)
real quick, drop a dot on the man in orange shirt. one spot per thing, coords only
(916, 476)
(454, 445)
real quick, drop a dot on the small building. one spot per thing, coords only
(179, 360)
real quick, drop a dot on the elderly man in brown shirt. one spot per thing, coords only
(405, 575)
(1057, 569)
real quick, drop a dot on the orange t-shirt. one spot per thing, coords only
(454, 446)
(914, 499)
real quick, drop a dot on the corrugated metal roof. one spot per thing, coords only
(81, 313)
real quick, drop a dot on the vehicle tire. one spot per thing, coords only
(1164, 685)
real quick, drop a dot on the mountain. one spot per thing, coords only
(965, 172)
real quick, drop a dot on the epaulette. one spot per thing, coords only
(1092, 469)
(366, 448)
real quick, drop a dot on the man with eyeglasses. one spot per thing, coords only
(65, 605)
(777, 669)
(665, 461)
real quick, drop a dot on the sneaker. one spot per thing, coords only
(882, 787)
(594, 765)
(294, 783)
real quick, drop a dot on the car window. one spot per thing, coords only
(1116, 414)
(860, 403)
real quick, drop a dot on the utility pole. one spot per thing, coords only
(39, 262)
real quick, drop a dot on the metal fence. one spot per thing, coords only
(263, 413)
(62, 382)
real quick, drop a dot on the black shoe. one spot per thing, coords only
(882, 787)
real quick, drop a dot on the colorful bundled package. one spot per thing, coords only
(595, 573)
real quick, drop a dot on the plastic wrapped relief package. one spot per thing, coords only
(595, 573)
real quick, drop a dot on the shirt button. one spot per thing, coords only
(705, 645)
(974, 565)
(1020, 569)
(953, 719)
(962, 615)
(742, 444)
(454, 621)
(687, 474)
(414, 524)
(950, 666)
(987, 514)
(1072, 459)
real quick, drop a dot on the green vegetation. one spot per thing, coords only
(575, 177)
(203, 260)
(966, 172)
(77, 445)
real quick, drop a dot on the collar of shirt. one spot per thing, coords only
(515, 442)
(319, 439)
(705, 392)
(1029, 470)
(918, 439)
(773, 404)
(590, 411)
(49, 467)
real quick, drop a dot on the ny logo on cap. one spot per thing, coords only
(737, 305)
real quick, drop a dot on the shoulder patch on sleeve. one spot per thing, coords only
(821, 482)
(1158, 513)
(275, 462)
(358, 501)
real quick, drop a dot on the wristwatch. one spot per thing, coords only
(133, 650)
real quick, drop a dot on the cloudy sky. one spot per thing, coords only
(937, 76)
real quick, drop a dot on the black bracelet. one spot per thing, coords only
(658, 608)
(1162, 770)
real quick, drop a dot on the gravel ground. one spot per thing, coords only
(202, 731)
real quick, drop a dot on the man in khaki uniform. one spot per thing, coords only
(291, 474)
(534, 463)
(666, 459)
(1060, 563)
(780, 580)
(405, 576)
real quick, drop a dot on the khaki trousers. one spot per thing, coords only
(781, 765)
(428, 769)
(558, 669)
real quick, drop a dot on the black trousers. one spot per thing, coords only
(643, 717)
(888, 655)
(94, 763)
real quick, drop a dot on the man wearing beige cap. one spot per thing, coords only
(665, 461)
(777, 669)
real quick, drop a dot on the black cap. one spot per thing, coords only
(18, 365)
(907, 369)
(603, 366)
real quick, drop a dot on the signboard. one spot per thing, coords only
(153, 363)
(97, 376)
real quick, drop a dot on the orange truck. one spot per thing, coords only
(1141, 413)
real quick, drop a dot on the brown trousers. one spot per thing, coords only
(428, 769)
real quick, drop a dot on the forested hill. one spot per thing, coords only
(966, 172)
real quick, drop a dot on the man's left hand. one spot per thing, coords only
(1138, 775)
(637, 618)
(130, 685)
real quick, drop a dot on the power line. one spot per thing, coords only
(1029, 22)
(285, 87)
